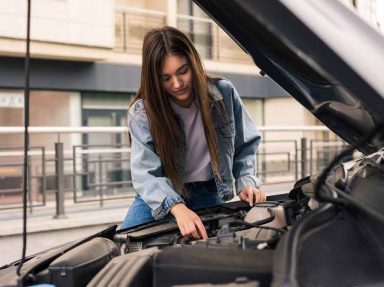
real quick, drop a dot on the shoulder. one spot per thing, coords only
(137, 114)
(228, 93)
(137, 108)
(138, 124)
(223, 84)
(224, 88)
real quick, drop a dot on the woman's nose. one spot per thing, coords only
(177, 83)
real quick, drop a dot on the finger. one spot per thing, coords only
(201, 229)
(250, 197)
(243, 195)
(182, 230)
(262, 196)
(187, 232)
(193, 230)
(258, 195)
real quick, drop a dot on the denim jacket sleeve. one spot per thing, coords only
(147, 174)
(247, 139)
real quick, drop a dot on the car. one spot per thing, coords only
(327, 231)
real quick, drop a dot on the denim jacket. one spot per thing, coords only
(238, 140)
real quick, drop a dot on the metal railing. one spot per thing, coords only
(291, 153)
(11, 174)
(94, 170)
(131, 24)
(96, 173)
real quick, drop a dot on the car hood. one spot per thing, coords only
(321, 53)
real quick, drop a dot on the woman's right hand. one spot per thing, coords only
(188, 222)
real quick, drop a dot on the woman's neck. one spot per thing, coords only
(186, 104)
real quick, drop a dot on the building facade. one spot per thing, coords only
(86, 58)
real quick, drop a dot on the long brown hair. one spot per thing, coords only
(164, 128)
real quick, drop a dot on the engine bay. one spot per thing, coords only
(241, 241)
(231, 225)
(292, 239)
(268, 244)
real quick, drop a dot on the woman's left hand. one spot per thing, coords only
(252, 195)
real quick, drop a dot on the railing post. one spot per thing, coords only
(296, 162)
(101, 187)
(304, 164)
(124, 33)
(29, 185)
(59, 168)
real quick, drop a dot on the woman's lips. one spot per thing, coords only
(181, 91)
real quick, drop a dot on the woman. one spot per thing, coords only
(190, 137)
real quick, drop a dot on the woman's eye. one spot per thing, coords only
(166, 79)
(183, 71)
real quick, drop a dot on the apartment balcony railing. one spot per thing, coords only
(131, 24)
(101, 172)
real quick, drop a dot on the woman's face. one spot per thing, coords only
(177, 79)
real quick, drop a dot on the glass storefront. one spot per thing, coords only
(107, 159)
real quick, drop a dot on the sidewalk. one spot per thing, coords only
(82, 214)
(76, 215)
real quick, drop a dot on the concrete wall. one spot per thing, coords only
(254, 108)
(286, 112)
(71, 29)
(283, 111)
(84, 22)
(159, 5)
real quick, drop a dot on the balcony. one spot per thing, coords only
(131, 24)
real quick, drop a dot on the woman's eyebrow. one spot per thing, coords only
(182, 66)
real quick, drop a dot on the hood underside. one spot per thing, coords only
(321, 53)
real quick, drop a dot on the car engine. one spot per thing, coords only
(310, 236)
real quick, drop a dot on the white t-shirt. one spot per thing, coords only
(198, 161)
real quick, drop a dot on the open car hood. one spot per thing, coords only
(320, 52)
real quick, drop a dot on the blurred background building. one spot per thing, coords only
(86, 67)
(87, 57)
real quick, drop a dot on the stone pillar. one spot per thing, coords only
(172, 13)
